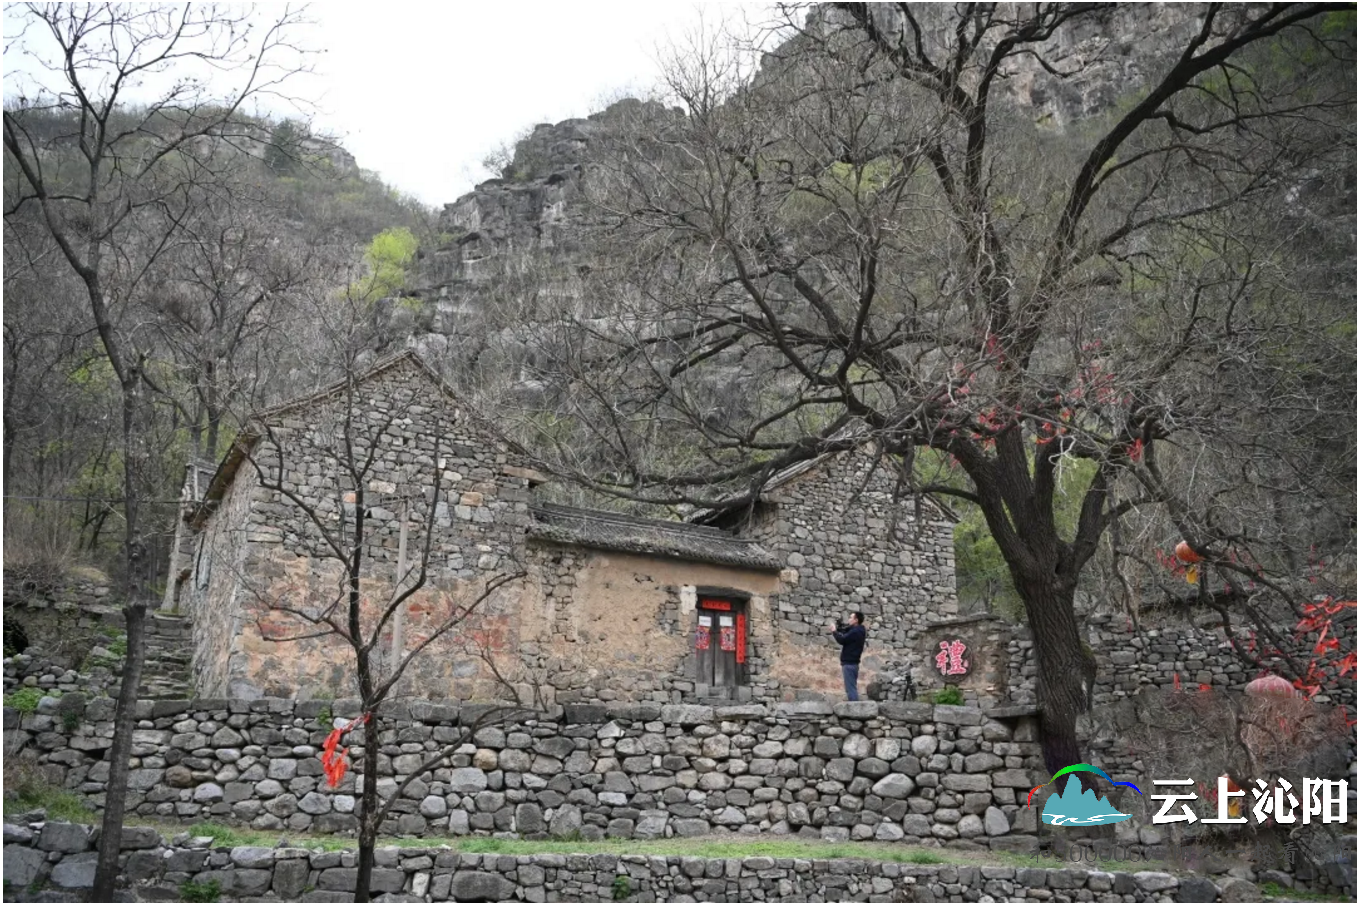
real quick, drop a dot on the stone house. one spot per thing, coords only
(596, 607)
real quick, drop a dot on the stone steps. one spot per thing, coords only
(167, 673)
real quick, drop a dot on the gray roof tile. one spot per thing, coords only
(654, 537)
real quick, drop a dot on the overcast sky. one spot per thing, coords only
(420, 92)
(421, 95)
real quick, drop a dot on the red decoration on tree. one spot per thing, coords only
(335, 764)
(1185, 553)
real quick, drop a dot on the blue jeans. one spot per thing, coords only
(851, 671)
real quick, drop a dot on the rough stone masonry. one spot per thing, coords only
(61, 855)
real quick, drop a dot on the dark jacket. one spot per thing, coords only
(851, 639)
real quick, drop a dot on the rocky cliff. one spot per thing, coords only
(528, 227)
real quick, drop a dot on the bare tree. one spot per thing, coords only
(377, 584)
(859, 243)
(220, 299)
(115, 212)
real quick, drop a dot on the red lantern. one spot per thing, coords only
(1270, 685)
(1185, 553)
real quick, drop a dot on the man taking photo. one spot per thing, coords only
(851, 638)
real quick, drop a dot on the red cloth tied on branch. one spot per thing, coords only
(333, 763)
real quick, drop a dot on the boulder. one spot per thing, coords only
(916, 825)
(686, 715)
(76, 871)
(1196, 889)
(1234, 889)
(467, 779)
(894, 785)
(208, 792)
(857, 710)
(23, 865)
(1154, 881)
(63, 837)
(567, 821)
(970, 825)
(253, 856)
(480, 886)
(528, 818)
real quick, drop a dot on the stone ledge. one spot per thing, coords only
(1013, 711)
(249, 871)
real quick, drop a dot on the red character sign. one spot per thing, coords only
(950, 660)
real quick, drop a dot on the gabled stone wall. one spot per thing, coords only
(832, 527)
(262, 551)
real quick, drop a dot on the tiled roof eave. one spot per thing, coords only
(754, 557)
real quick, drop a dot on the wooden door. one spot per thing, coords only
(719, 643)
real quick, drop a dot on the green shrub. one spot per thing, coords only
(622, 887)
(949, 694)
(189, 891)
(24, 700)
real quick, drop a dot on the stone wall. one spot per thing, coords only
(855, 771)
(831, 526)
(62, 621)
(260, 551)
(61, 855)
(592, 625)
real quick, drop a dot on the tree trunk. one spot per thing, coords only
(136, 561)
(115, 798)
(1065, 667)
(368, 820)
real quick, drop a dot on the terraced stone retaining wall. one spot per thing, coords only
(857, 771)
(61, 855)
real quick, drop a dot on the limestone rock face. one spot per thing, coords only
(537, 210)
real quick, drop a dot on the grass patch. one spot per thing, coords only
(24, 700)
(230, 836)
(1297, 895)
(702, 847)
(709, 847)
(60, 804)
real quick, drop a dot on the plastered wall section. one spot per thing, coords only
(606, 626)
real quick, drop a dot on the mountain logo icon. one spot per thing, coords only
(1077, 806)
